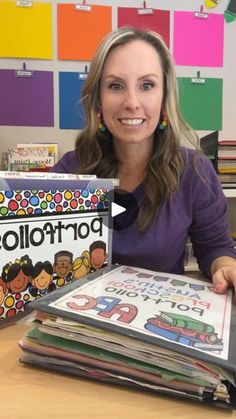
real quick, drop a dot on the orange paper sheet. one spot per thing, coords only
(26, 32)
(79, 32)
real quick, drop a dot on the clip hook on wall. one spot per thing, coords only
(198, 79)
(24, 72)
(84, 75)
(24, 3)
(144, 10)
(201, 14)
(84, 7)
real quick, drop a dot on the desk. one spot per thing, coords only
(28, 393)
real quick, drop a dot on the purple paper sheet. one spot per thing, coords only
(26, 101)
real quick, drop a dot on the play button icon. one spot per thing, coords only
(116, 209)
(123, 209)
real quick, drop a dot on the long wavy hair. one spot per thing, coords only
(95, 149)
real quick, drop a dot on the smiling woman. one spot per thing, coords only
(134, 131)
(131, 97)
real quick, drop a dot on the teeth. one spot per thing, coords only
(131, 121)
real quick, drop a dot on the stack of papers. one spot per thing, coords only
(160, 332)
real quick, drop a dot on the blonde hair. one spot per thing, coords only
(84, 259)
(95, 149)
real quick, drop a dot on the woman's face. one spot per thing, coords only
(131, 92)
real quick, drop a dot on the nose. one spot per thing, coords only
(131, 99)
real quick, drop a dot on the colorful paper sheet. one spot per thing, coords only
(201, 104)
(79, 32)
(210, 4)
(71, 110)
(26, 101)
(230, 12)
(26, 31)
(198, 41)
(159, 21)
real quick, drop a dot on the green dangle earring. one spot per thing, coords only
(100, 124)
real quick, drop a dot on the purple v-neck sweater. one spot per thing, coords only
(198, 209)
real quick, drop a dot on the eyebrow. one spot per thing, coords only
(145, 76)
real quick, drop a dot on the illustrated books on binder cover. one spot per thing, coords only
(53, 230)
(155, 331)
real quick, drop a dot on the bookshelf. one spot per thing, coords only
(230, 194)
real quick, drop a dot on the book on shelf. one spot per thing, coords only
(226, 156)
(52, 227)
(226, 143)
(230, 185)
(51, 147)
(228, 180)
(4, 160)
(226, 165)
(227, 177)
(32, 157)
(227, 149)
(209, 145)
(166, 333)
(226, 169)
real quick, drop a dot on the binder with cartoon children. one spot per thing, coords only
(53, 230)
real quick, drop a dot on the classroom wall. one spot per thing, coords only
(10, 136)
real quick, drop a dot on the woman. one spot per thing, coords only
(133, 132)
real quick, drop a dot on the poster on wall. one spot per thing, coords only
(26, 100)
(21, 32)
(70, 107)
(79, 31)
(158, 20)
(198, 41)
(201, 102)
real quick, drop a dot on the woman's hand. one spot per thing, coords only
(223, 271)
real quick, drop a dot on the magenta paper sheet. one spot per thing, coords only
(198, 41)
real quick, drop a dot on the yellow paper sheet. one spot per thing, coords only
(26, 32)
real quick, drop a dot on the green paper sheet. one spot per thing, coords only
(201, 103)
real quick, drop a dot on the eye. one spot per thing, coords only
(147, 85)
(115, 86)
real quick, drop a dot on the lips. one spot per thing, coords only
(133, 122)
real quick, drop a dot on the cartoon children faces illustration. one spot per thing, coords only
(63, 263)
(27, 280)
(97, 254)
(17, 275)
(81, 265)
(42, 275)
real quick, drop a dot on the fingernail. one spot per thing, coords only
(219, 287)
